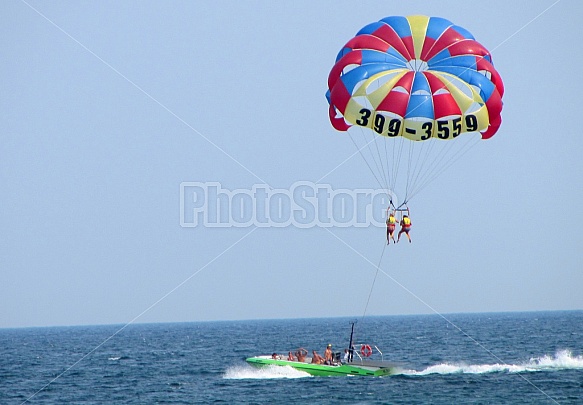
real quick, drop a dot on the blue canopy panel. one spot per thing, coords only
(363, 72)
(471, 77)
(420, 100)
(391, 57)
(439, 57)
(467, 34)
(436, 27)
(399, 24)
(445, 54)
(391, 52)
(466, 61)
(342, 52)
(370, 28)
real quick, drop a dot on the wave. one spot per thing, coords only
(267, 372)
(116, 358)
(562, 360)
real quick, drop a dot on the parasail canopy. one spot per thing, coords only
(417, 78)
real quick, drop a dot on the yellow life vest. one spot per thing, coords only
(406, 221)
(391, 220)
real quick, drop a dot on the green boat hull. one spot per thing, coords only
(364, 368)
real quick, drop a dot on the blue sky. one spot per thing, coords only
(109, 106)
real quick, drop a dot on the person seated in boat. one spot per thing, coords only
(391, 224)
(274, 356)
(301, 354)
(405, 227)
(316, 358)
(290, 357)
(328, 355)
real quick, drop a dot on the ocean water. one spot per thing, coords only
(498, 358)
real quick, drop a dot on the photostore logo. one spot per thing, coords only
(303, 205)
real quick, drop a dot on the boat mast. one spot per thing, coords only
(350, 349)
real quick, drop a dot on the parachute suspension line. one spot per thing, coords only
(376, 158)
(395, 159)
(365, 160)
(373, 282)
(450, 159)
(375, 154)
(408, 172)
(398, 144)
(467, 146)
(425, 150)
(382, 166)
(396, 153)
(437, 161)
(420, 162)
(426, 160)
(389, 170)
(412, 168)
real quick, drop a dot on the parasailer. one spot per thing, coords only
(405, 226)
(426, 86)
(391, 224)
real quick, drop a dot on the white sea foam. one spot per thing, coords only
(562, 360)
(267, 372)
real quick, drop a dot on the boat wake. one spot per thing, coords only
(562, 360)
(267, 372)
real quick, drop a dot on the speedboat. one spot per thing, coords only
(356, 363)
(362, 367)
